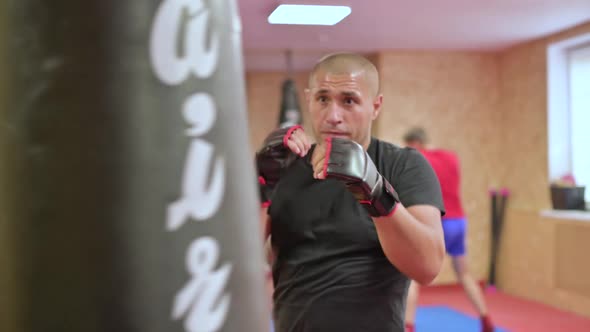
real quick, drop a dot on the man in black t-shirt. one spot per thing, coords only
(352, 218)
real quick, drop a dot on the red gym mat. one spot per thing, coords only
(512, 313)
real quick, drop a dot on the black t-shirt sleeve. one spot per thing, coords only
(415, 181)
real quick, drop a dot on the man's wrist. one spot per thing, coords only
(385, 202)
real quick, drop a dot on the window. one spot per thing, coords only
(579, 100)
(568, 71)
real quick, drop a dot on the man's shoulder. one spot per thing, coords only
(395, 155)
(389, 149)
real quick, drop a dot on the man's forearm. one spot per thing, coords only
(413, 241)
(265, 227)
(264, 222)
(269, 252)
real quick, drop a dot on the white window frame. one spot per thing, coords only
(558, 102)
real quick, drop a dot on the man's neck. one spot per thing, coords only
(366, 143)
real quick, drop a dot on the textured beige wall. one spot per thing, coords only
(527, 261)
(454, 96)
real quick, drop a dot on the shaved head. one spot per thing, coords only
(348, 63)
(343, 97)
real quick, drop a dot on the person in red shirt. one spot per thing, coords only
(447, 168)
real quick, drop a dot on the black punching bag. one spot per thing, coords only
(125, 188)
(290, 113)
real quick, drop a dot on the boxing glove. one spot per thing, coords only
(272, 159)
(348, 162)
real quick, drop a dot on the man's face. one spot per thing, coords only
(342, 105)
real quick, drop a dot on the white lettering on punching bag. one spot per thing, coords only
(202, 301)
(199, 201)
(202, 292)
(169, 66)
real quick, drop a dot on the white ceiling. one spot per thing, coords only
(403, 24)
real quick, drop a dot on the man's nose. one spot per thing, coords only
(334, 116)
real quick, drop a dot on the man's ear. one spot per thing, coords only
(377, 103)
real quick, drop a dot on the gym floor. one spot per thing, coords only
(510, 313)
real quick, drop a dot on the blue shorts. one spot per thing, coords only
(454, 230)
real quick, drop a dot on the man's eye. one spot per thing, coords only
(349, 101)
(322, 99)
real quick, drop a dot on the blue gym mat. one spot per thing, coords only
(445, 319)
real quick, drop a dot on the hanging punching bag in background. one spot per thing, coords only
(130, 202)
(290, 113)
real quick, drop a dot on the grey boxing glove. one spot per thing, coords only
(272, 159)
(348, 162)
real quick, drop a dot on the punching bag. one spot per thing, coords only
(130, 202)
(8, 280)
(290, 113)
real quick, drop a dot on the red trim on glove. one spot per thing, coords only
(289, 133)
(390, 213)
(394, 209)
(327, 156)
(262, 181)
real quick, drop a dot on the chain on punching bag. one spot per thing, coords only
(132, 205)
